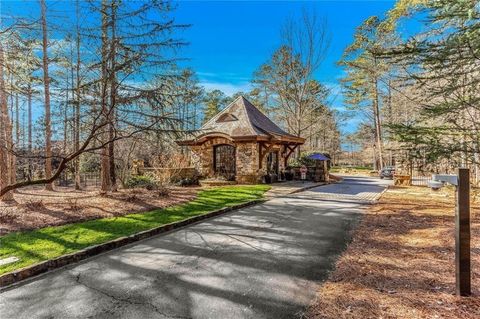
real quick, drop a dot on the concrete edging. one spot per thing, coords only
(310, 187)
(48, 265)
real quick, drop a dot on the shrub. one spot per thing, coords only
(189, 181)
(144, 181)
(304, 160)
(30, 204)
(163, 191)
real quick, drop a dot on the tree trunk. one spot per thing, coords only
(46, 82)
(105, 162)
(476, 159)
(299, 130)
(4, 122)
(65, 115)
(30, 160)
(113, 92)
(378, 127)
(76, 163)
(12, 176)
(17, 121)
(13, 158)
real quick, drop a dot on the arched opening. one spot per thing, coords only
(272, 163)
(224, 161)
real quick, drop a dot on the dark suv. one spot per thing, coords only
(387, 172)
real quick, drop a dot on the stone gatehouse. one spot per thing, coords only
(241, 144)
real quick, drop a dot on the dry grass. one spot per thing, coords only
(334, 178)
(35, 207)
(400, 263)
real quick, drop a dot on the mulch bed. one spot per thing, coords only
(35, 207)
(400, 263)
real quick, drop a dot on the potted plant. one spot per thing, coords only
(289, 174)
(267, 178)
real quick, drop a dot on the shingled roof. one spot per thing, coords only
(241, 120)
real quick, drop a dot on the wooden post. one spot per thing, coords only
(325, 171)
(462, 234)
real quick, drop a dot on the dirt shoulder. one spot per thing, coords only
(400, 263)
(37, 208)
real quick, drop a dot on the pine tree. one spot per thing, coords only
(442, 63)
(4, 123)
(214, 102)
(46, 84)
(364, 67)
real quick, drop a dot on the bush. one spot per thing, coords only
(304, 160)
(289, 176)
(143, 181)
(189, 181)
(163, 191)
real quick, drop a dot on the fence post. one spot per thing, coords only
(462, 234)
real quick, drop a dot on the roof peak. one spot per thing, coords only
(250, 121)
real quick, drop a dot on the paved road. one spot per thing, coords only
(265, 261)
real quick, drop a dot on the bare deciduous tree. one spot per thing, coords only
(289, 74)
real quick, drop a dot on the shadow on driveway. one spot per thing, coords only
(264, 261)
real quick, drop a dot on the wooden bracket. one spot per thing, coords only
(288, 151)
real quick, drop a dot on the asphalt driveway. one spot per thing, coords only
(265, 261)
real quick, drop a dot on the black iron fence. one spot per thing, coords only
(86, 179)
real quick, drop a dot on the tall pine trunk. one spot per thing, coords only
(30, 144)
(105, 161)
(377, 120)
(113, 92)
(65, 114)
(13, 158)
(46, 83)
(12, 172)
(4, 122)
(76, 125)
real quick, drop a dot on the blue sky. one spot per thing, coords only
(229, 40)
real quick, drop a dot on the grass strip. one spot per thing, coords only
(47, 243)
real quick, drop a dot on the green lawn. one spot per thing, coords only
(50, 242)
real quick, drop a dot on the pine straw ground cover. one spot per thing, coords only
(36, 207)
(400, 263)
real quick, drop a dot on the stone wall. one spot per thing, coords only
(247, 159)
(172, 175)
(202, 155)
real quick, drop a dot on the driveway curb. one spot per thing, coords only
(312, 186)
(48, 265)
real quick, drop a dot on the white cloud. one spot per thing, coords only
(206, 74)
(334, 87)
(227, 88)
(222, 76)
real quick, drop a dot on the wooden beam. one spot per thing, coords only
(262, 154)
(462, 234)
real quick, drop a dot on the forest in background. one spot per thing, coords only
(418, 91)
(96, 86)
(93, 87)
